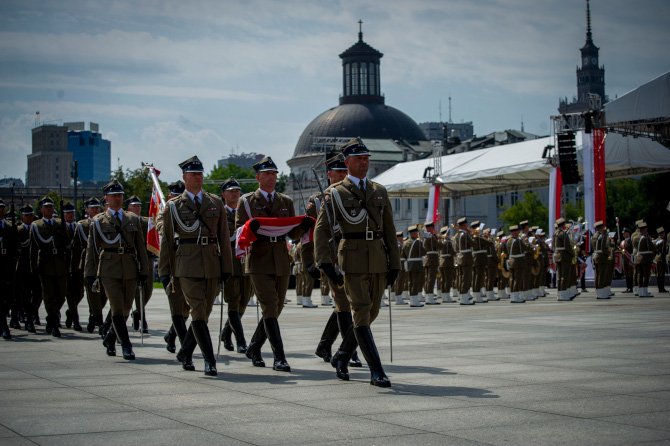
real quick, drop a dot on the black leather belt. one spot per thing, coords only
(204, 241)
(120, 250)
(265, 238)
(367, 235)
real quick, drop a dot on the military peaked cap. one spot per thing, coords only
(177, 188)
(265, 165)
(26, 210)
(113, 187)
(462, 220)
(475, 224)
(46, 201)
(133, 200)
(429, 224)
(412, 228)
(355, 147)
(560, 221)
(93, 203)
(598, 224)
(513, 228)
(193, 164)
(444, 229)
(399, 234)
(68, 207)
(659, 230)
(230, 184)
(523, 223)
(642, 225)
(336, 162)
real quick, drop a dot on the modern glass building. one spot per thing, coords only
(91, 151)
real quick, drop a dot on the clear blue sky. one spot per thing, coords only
(169, 79)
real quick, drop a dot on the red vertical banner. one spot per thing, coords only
(599, 184)
(558, 193)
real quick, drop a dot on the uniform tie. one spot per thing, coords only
(197, 202)
(270, 200)
(117, 217)
(361, 185)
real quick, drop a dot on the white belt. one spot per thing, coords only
(645, 252)
(597, 250)
(298, 263)
(415, 259)
(465, 250)
(433, 252)
(480, 251)
(490, 255)
(446, 255)
(514, 256)
(559, 249)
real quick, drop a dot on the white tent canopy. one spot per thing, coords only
(519, 166)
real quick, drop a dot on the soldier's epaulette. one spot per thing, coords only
(174, 198)
(248, 194)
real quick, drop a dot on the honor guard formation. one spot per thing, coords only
(236, 246)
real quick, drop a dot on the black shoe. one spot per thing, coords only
(324, 352)
(186, 361)
(76, 326)
(379, 379)
(254, 348)
(339, 361)
(128, 354)
(281, 365)
(663, 291)
(5, 332)
(55, 332)
(235, 324)
(185, 354)
(628, 290)
(15, 324)
(90, 327)
(241, 348)
(68, 319)
(255, 356)
(226, 337)
(170, 338)
(110, 344)
(204, 340)
(367, 344)
(274, 336)
(37, 321)
(145, 327)
(136, 320)
(355, 361)
(210, 368)
(30, 327)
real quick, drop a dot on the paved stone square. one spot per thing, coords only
(547, 372)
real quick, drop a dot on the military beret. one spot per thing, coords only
(637, 222)
(336, 162)
(112, 188)
(68, 207)
(412, 228)
(399, 234)
(429, 223)
(230, 184)
(659, 230)
(265, 165)
(193, 164)
(46, 201)
(642, 225)
(133, 200)
(27, 210)
(523, 223)
(598, 224)
(177, 188)
(355, 147)
(513, 228)
(462, 220)
(560, 221)
(475, 224)
(444, 229)
(92, 203)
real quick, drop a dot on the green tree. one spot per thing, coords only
(632, 199)
(528, 208)
(219, 174)
(137, 182)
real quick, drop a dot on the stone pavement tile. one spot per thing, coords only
(17, 441)
(597, 406)
(335, 388)
(403, 440)
(143, 437)
(535, 392)
(598, 363)
(27, 383)
(4, 432)
(187, 401)
(660, 394)
(622, 384)
(559, 375)
(65, 423)
(34, 396)
(561, 432)
(73, 406)
(166, 388)
(138, 377)
(89, 369)
(642, 369)
(286, 423)
(445, 420)
(653, 420)
(456, 381)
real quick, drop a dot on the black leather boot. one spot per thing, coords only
(254, 349)
(68, 319)
(274, 336)
(4, 328)
(109, 342)
(90, 327)
(121, 330)
(201, 333)
(235, 323)
(106, 325)
(367, 344)
(226, 336)
(76, 326)
(185, 353)
(136, 320)
(170, 338)
(30, 325)
(53, 326)
(179, 326)
(340, 360)
(345, 321)
(328, 337)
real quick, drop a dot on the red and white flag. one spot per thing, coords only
(433, 213)
(269, 227)
(156, 206)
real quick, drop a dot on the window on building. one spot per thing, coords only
(514, 197)
(364, 78)
(500, 200)
(347, 80)
(354, 78)
(408, 207)
(81, 140)
(396, 206)
(425, 203)
(373, 79)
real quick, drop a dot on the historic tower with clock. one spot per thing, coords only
(590, 77)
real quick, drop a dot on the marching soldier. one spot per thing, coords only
(503, 272)
(431, 261)
(48, 246)
(237, 290)
(341, 319)
(564, 260)
(96, 298)
(296, 255)
(116, 258)
(179, 309)
(637, 267)
(544, 260)
(479, 264)
(491, 264)
(403, 276)
(626, 248)
(412, 256)
(268, 260)
(75, 277)
(27, 281)
(195, 251)
(600, 252)
(8, 257)
(643, 253)
(447, 267)
(367, 254)
(464, 261)
(661, 259)
(517, 265)
(527, 274)
(134, 205)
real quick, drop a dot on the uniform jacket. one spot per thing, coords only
(517, 253)
(267, 257)
(412, 252)
(230, 219)
(600, 248)
(49, 246)
(479, 250)
(23, 263)
(447, 253)
(9, 248)
(432, 246)
(79, 245)
(359, 256)
(491, 254)
(102, 261)
(190, 248)
(463, 247)
(562, 246)
(74, 252)
(644, 247)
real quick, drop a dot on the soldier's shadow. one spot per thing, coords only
(440, 391)
(30, 337)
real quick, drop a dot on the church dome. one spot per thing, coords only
(366, 120)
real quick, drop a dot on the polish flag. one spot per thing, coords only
(433, 213)
(156, 206)
(270, 227)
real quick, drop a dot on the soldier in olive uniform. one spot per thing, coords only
(403, 276)
(75, 276)
(367, 254)
(544, 260)
(526, 275)
(238, 289)
(134, 205)
(447, 268)
(563, 258)
(431, 262)
(96, 298)
(9, 249)
(626, 247)
(464, 261)
(479, 264)
(116, 258)
(491, 264)
(503, 272)
(411, 256)
(195, 251)
(179, 309)
(268, 262)
(661, 260)
(49, 246)
(27, 282)
(600, 250)
(517, 265)
(643, 253)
